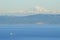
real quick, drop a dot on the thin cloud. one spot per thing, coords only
(37, 10)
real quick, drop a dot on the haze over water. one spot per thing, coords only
(29, 19)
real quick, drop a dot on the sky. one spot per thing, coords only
(29, 4)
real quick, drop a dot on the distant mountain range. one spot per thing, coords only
(32, 19)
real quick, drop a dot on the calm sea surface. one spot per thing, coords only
(30, 32)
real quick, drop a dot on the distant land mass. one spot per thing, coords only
(31, 19)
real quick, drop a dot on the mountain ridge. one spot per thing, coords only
(32, 19)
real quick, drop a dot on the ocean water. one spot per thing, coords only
(30, 32)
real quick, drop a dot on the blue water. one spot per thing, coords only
(29, 32)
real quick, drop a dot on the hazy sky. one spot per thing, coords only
(28, 4)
